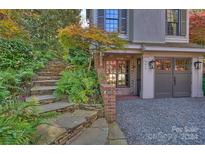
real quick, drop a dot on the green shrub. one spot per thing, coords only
(25, 75)
(14, 53)
(78, 57)
(9, 81)
(18, 64)
(79, 85)
(4, 93)
(18, 121)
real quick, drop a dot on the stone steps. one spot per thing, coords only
(45, 82)
(54, 67)
(95, 135)
(48, 73)
(74, 120)
(61, 106)
(48, 70)
(43, 90)
(48, 77)
(43, 99)
(65, 127)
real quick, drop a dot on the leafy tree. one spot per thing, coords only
(91, 40)
(197, 27)
(42, 25)
(9, 28)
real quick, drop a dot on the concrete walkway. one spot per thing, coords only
(162, 121)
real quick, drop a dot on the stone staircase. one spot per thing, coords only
(75, 124)
(44, 84)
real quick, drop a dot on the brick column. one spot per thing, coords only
(108, 93)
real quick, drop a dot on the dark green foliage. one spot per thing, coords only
(80, 85)
(4, 93)
(18, 64)
(13, 53)
(26, 75)
(78, 58)
(18, 121)
(9, 81)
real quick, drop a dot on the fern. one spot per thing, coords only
(18, 121)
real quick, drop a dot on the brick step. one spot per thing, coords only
(60, 106)
(48, 73)
(43, 90)
(48, 77)
(95, 135)
(45, 82)
(43, 99)
(65, 127)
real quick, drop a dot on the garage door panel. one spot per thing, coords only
(182, 77)
(182, 87)
(164, 79)
(173, 77)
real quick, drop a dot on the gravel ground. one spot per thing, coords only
(163, 121)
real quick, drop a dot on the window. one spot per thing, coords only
(182, 65)
(176, 22)
(112, 20)
(163, 64)
(172, 22)
(117, 73)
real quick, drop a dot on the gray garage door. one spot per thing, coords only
(173, 77)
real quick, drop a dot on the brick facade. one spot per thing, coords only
(131, 90)
(108, 92)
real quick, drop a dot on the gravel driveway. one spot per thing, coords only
(163, 121)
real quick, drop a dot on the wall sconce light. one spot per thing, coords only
(152, 64)
(197, 64)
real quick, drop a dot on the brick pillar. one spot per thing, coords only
(108, 93)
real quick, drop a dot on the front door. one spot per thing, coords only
(173, 77)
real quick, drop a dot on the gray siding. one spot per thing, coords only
(147, 25)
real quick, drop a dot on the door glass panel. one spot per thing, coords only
(182, 65)
(117, 73)
(163, 64)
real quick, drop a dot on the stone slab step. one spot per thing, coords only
(47, 134)
(45, 82)
(95, 135)
(60, 106)
(55, 66)
(70, 121)
(115, 135)
(48, 77)
(56, 63)
(48, 73)
(49, 70)
(67, 125)
(43, 99)
(43, 90)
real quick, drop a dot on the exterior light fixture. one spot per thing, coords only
(152, 64)
(197, 64)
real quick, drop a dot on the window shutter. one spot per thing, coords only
(123, 27)
(100, 19)
(183, 22)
